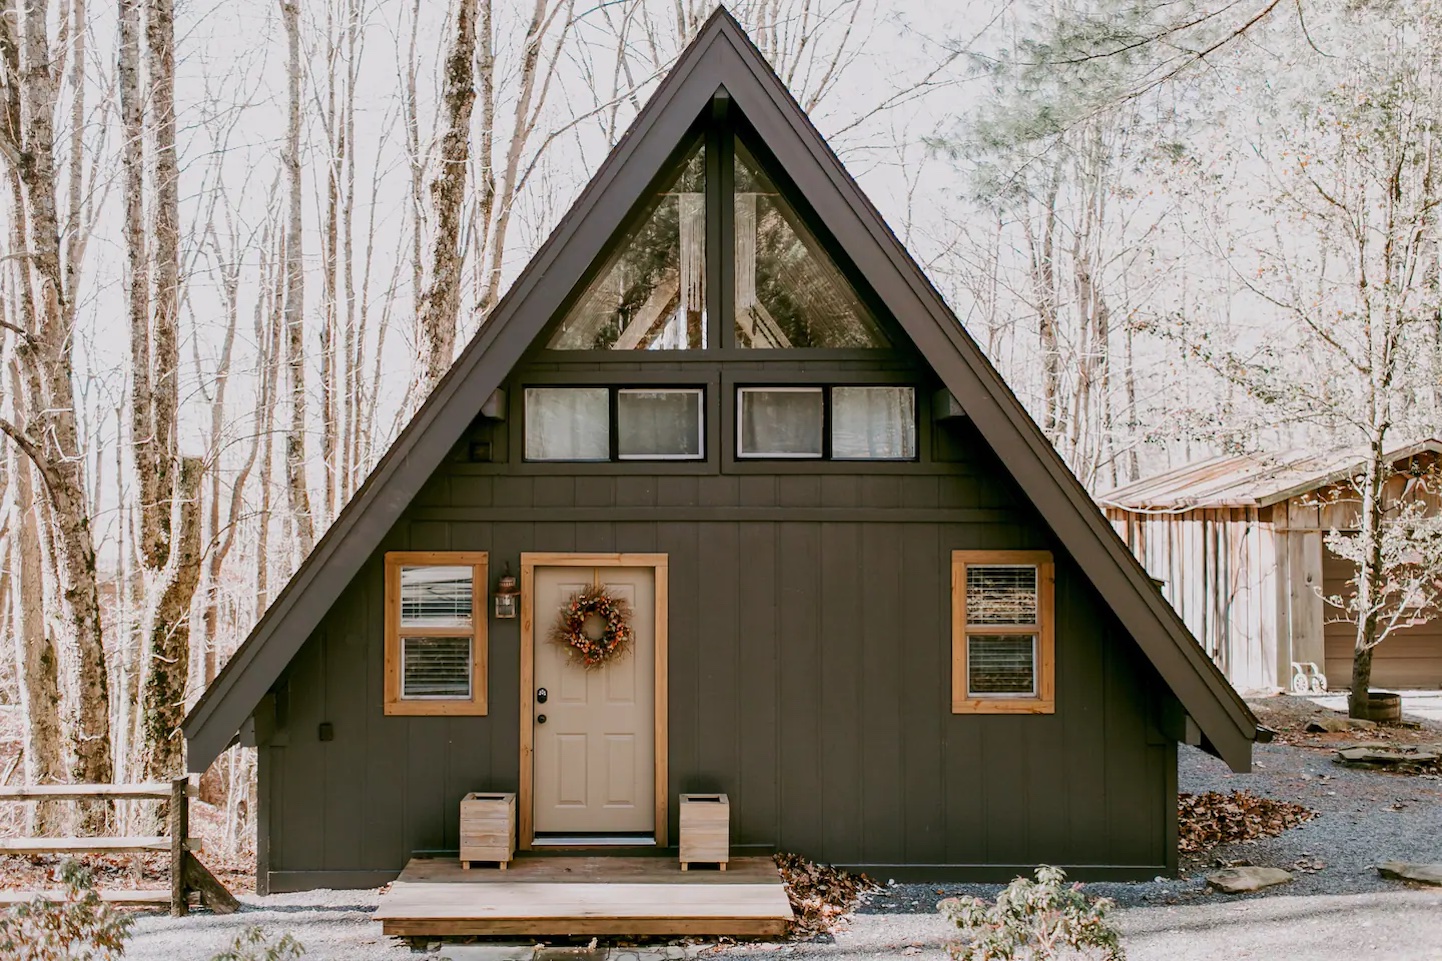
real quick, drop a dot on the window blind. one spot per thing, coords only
(436, 667)
(1001, 664)
(1001, 594)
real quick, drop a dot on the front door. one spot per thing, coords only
(593, 734)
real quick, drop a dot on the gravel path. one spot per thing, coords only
(1332, 914)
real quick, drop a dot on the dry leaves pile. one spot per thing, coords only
(1211, 819)
(820, 895)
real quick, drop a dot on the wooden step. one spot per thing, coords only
(120, 845)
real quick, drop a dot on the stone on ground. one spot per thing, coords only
(1242, 880)
(1405, 871)
(1368, 755)
(487, 952)
(1328, 725)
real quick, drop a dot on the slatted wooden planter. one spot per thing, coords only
(705, 830)
(488, 828)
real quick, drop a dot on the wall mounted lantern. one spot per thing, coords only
(508, 595)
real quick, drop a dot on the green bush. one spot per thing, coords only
(253, 945)
(1033, 921)
(81, 927)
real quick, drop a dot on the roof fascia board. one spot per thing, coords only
(484, 364)
(1074, 517)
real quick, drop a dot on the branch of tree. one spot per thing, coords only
(32, 451)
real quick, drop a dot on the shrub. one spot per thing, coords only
(252, 944)
(81, 927)
(1032, 921)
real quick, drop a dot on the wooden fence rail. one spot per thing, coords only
(187, 874)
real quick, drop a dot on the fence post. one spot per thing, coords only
(179, 832)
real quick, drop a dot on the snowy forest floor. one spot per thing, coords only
(1335, 908)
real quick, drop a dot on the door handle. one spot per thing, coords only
(540, 719)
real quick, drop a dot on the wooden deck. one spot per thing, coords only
(560, 896)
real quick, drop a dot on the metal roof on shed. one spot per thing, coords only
(1249, 480)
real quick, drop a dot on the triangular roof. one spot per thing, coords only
(722, 56)
(1251, 480)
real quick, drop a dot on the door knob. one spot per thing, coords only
(540, 719)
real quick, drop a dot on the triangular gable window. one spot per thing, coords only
(652, 294)
(788, 291)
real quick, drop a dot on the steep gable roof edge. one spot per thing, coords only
(877, 254)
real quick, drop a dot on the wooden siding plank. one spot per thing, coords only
(717, 706)
(681, 542)
(840, 670)
(304, 758)
(346, 673)
(884, 691)
(755, 805)
(1308, 613)
(1081, 675)
(799, 562)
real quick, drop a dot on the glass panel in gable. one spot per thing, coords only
(652, 294)
(788, 291)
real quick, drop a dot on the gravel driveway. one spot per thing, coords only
(1335, 910)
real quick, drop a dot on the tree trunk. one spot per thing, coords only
(1369, 576)
(440, 304)
(295, 454)
(27, 131)
(165, 325)
(168, 646)
(37, 665)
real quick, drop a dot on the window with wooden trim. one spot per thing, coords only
(1003, 649)
(435, 637)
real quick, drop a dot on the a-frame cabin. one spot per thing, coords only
(868, 601)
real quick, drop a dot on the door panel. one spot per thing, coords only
(594, 756)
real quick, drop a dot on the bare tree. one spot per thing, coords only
(440, 303)
(36, 660)
(297, 487)
(29, 98)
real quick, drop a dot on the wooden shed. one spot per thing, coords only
(864, 599)
(1238, 546)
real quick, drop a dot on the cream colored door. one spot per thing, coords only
(595, 751)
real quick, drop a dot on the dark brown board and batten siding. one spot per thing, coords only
(809, 666)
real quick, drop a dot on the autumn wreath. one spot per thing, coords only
(594, 627)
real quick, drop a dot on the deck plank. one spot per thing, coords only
(586, 895)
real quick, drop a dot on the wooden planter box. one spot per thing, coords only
(488, 828)
(705, 830)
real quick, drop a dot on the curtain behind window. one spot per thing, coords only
(568, 423)
(873, 423)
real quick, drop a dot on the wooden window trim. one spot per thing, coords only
(395, 705)
(1044, 701)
